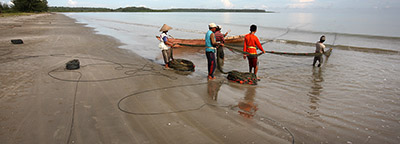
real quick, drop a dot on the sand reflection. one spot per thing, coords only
(315, 91)
(247, 107)
(213, 87)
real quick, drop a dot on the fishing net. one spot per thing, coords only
(328, 52)
(242, 77)
(72, 65)
(181, 65)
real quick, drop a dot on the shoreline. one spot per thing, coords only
(115, 97)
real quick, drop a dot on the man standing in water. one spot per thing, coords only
(211, 45)
(319, 48)
(250, 43)
(220, 38)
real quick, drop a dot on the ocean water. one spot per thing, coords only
(353, 98)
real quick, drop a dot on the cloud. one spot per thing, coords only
(72, 3)
(306, 1)
(227, 3)
(301, 3)
(297, 5)
(10, 3)
(264, 7)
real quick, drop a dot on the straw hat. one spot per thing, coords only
(165, 27)
(212, 25)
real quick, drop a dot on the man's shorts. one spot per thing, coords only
(252, 61)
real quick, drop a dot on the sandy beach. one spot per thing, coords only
(115, 97)
(121, 93)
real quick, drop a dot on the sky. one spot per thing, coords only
(235, 4)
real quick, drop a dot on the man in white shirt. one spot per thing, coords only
(166, 51)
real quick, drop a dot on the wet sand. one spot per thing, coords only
(115, 97)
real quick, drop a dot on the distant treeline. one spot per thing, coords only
(143, 9)
(78, 9)
(218, 10)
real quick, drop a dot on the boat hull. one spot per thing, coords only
(201, 42)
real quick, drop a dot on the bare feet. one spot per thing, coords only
(211, 78)
(166, 66)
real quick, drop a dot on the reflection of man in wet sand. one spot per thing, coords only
(213, 89)
(315, 92)
(247, 107)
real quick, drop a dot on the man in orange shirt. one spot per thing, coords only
(251, 43)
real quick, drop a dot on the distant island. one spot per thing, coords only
(144, 9)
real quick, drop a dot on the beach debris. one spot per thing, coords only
(17, 41)
(73, 64)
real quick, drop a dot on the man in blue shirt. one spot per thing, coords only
(211, 44)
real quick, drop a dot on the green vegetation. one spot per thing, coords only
(5, 8)
(143, 9)
(14, 14)
(35, 6)
(137, 9)
(218, 10)
(79, 9)
(24, 6)
(30, 5)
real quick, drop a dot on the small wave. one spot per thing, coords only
(286, 31)
(294, 28)
(341, 47)
(148, 25)
(297, 28)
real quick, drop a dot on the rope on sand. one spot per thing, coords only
(131, 73)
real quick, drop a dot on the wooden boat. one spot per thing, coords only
(201, 42)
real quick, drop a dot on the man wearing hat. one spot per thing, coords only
(166, 51)
(319, 48)
(220, 38)
(211, 46)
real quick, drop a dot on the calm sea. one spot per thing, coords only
(353, 98)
